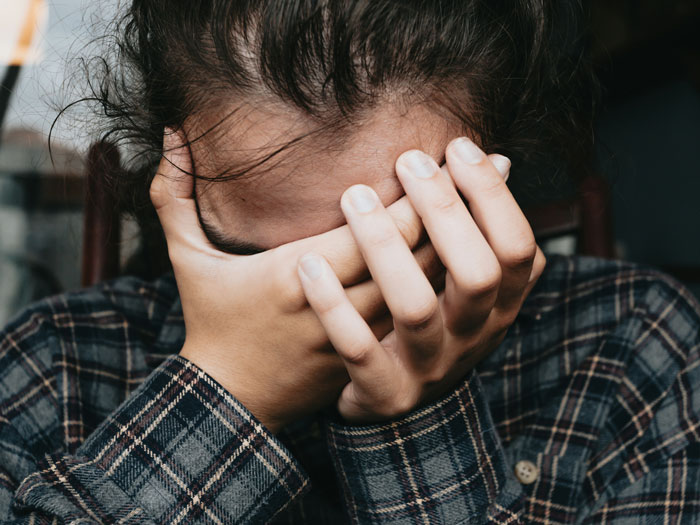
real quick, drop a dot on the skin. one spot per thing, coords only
(300, 197)
(302, 324)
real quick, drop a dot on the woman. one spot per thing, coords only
(347, 257)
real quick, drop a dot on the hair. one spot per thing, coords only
(514, 73)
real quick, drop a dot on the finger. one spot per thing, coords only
(315, 333)
(500, 321)
(473, 271)
(367, 363)
(538, 267)
(171, 193)
(405, 288)
(502, 164)
(366, 297)
(497, 214)
(339, 248)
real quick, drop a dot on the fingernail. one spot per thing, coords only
(467, 151)
(311, 266)
(419, 164)
(362, 198)
(502, 164)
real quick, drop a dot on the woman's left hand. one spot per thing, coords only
(491, 261)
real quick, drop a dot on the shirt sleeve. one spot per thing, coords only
(440, 464)
(179, 450)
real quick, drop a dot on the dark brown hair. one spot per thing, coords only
(513, 72)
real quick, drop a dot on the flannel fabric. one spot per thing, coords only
(597, 384)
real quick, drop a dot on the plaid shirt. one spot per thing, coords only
(597, 384)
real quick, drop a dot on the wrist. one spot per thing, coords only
(218, 368)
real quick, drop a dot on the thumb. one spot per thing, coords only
(172, 193)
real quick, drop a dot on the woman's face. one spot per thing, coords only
(298, 194)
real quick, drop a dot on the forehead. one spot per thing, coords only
(297, 192)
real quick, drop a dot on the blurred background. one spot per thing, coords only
(646, 52)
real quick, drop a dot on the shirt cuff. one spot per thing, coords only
(443, 463)
(182, 450)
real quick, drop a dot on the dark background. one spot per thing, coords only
(647, 53)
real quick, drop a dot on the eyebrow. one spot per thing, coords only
(225, 243)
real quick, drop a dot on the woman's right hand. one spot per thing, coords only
(248, 324)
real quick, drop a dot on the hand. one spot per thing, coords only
(492, 263)
(247, 322)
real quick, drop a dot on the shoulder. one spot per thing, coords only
(90, 343)
(623, 341)
(91, 313)
(587, 290)
(587, 313)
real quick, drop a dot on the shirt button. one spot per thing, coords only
(526, 472)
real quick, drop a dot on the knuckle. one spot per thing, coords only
(419, 317)
(491, 184)
(481, 284)
(382, 236)
(521, 253)
(358, 354)
(446, 204)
